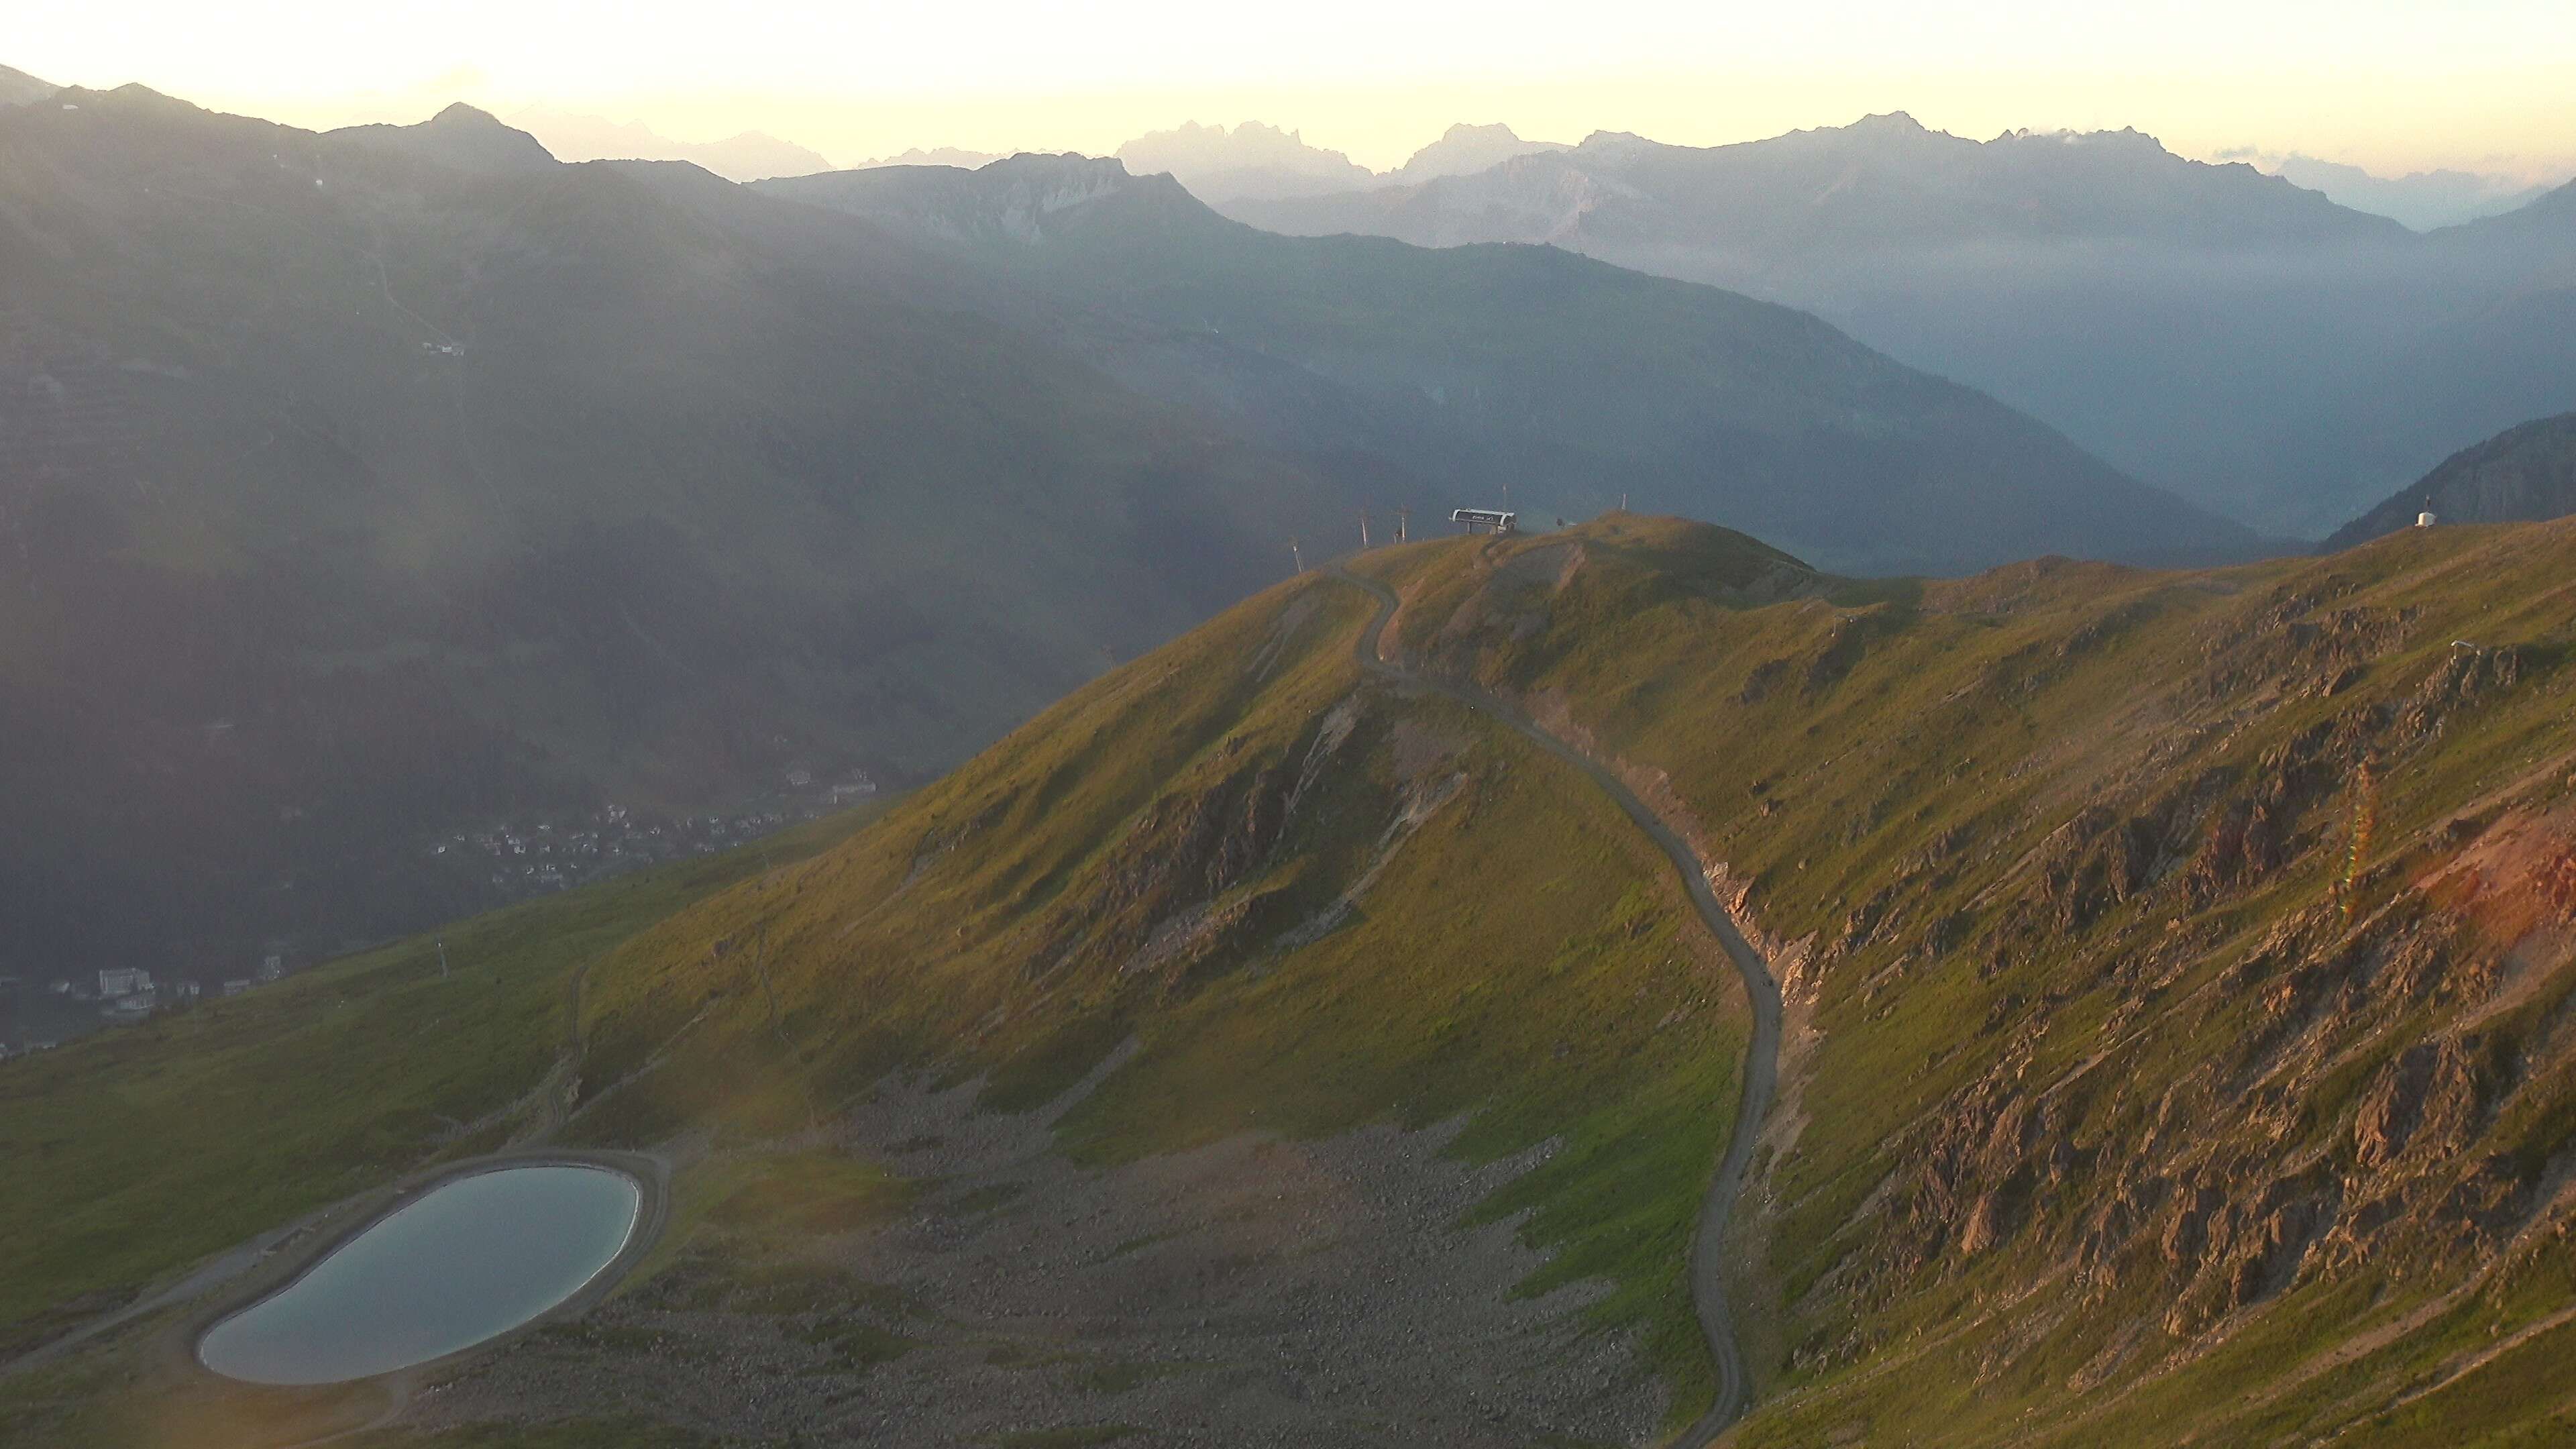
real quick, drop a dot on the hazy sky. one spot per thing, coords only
(2392, 85)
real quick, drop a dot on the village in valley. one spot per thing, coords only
(520, 860)
(517, 860)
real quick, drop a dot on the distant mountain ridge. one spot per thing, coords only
(2224, 333)
(2525, 474)
(1254, 162)
(1251, 159)
(1885, 179)
(935, 156)
(461, 137)
(1527, 375)
(747, 156)
(17, 88)
(2421, 200)
(1463, 150)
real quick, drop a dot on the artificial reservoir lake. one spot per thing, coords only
(472, 1258)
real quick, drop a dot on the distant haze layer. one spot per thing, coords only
(2483, 83)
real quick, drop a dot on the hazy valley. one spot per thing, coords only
(437, 484)
(2210, 329)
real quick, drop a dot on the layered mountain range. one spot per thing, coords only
(1521, 375)
(2209, 328)
(2423, 200)
(1252, 162)
(743, 156)
(367, 488)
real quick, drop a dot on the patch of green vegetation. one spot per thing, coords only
(572, 1434)
(140, 1151)
(811, 1194)
(854, 1344)
(1076, 1436)
(990, 1198)
(102, 1401)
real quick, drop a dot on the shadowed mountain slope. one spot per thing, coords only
(1530, 376)
(2178, 974)
(367, 487)
(460, 137)
(2521, 475)
(17, 88)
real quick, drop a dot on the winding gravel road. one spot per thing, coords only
(1762, 1057)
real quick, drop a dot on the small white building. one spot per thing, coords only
(124, 981)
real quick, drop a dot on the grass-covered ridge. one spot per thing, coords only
(2129, 1094)
(1309, 904)
(2128, 1091)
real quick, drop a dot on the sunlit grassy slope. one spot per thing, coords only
(2124, 1084)
(1308, 902)
(2133, 1101)
(2177, 968)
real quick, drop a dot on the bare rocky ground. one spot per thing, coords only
(1251, 1292)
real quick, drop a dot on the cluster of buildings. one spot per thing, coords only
(34, 1019)
(516, 861)
(521, 860)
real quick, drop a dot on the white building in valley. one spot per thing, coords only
(124, 981)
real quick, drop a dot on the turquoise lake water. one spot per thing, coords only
(475, 1257)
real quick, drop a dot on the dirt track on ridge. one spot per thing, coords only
(1761, 989)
